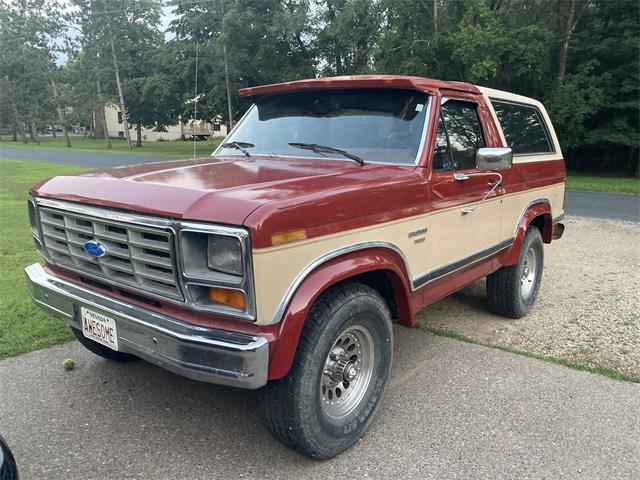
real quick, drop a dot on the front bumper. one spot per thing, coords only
(206, 354)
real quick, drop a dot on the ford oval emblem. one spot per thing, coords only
(95, 248)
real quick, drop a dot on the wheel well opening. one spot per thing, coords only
(380, 282)
(543, 223)
(391, 289)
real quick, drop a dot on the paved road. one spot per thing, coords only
(84, 159)
(581, 204)
(613, 206)
(454, 410)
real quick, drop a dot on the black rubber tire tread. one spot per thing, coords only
(101, 350)
(284, 404)
(503, 286)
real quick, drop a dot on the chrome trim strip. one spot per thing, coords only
(454, 266)
(105, 212)
(326, 257)
(206, 354)
(416, 283)
(174, 227)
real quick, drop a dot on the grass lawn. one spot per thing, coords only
(604, 184)
(174, 148)
(23, 326)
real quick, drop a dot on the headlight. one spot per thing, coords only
(224, 254)
(217, 275)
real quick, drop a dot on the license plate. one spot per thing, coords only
(99, 328)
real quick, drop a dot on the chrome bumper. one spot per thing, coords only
(205, 354)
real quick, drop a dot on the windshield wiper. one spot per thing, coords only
(314, 147)
(242, 146)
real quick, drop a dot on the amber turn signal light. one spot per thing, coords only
(289, 236)
(225, 296)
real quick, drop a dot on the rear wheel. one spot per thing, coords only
(101, 350)
(513, 290)
(338, 377)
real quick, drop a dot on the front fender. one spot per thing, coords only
(324, 276)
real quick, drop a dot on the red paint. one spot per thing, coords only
(324, 277)
(269, 195)
(541, 210)
(428, 85)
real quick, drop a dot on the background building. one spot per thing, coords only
(178, 131)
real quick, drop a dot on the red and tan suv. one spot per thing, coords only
(335, 207)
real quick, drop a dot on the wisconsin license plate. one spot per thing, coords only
(99, 328)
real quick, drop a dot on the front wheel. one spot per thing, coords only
(513, 290)
(338, 377)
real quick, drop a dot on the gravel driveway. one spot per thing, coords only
(588, 309)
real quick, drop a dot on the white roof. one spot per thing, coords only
(508, 96)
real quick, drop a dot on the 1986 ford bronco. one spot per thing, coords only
(334, 206)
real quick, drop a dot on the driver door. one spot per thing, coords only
(463, 229)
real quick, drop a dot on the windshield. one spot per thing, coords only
(382, 125)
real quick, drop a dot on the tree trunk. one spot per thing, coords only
(435, 17)
(226, 73)
(103, 117)
(65, 133)
(14, 133)
(138, 135)
(123, 107)
(564, 48)
(53, 131)
(34, 132)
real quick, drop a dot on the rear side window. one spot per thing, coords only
(523, 128)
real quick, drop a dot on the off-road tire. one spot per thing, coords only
(101, 350)
(294, 409)
(504, 287)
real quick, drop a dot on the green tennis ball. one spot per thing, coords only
(68, 364)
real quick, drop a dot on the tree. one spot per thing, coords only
(28, 33)
(118, 36)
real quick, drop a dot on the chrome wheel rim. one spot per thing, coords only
(347, 372)
(529, 271)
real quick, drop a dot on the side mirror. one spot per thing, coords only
(489, 159)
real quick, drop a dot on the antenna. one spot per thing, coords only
(195, 105)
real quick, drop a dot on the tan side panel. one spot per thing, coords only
(450, 237)
(513, 205)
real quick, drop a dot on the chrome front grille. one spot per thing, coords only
(136, 256)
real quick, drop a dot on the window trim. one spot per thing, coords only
(542, 120)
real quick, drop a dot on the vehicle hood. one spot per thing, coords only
(221, 189)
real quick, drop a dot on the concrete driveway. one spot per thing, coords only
(454, 410)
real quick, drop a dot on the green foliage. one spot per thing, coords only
(514, 45)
